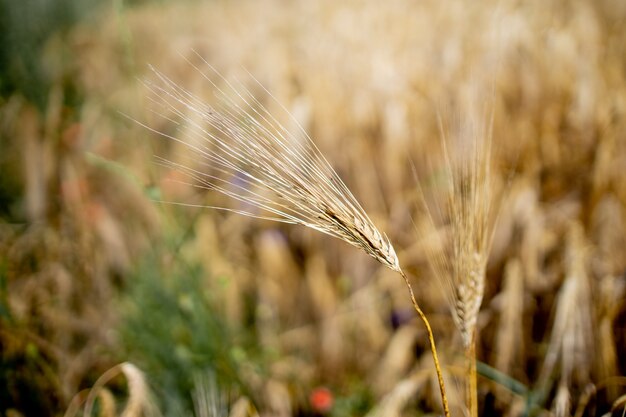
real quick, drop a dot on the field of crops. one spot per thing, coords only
(476, 149)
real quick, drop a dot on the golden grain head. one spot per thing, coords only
(472, 199)
(245, 153)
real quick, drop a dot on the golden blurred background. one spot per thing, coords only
(251, 316)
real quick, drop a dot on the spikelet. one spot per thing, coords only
(471, 216)
(246, 154)
(459, 260)
(459, 255)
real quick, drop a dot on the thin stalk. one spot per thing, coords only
(472, 383)
(433, 348)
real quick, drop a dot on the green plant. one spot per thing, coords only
(171, 329)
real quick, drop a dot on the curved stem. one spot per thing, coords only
(433, 348)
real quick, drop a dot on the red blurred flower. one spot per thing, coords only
(321, 400)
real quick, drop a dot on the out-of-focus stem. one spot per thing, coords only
(472, 383)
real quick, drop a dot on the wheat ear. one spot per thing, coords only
(471, 210)
(242, 151)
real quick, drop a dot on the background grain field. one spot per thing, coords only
(241, 316)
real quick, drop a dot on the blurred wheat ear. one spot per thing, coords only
(245, 153)
(471, 208)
